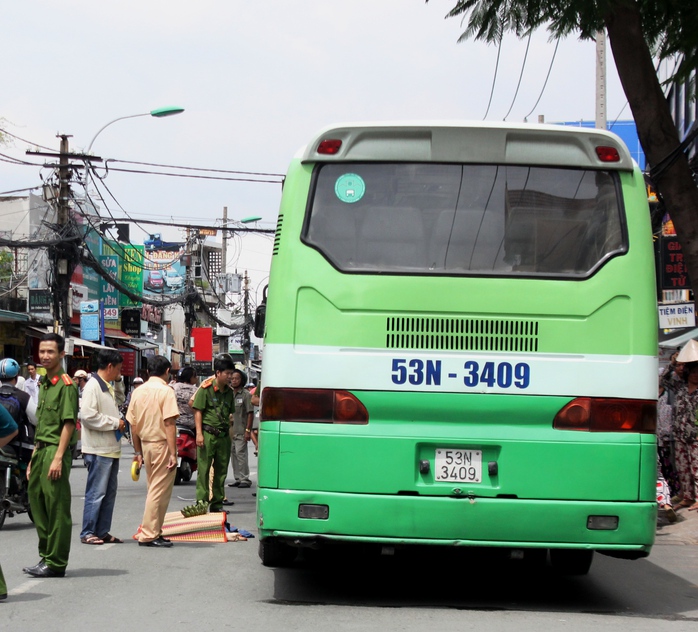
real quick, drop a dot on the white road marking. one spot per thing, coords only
(22, 588)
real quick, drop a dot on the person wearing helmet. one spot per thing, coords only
(20, 406)
(8, 430)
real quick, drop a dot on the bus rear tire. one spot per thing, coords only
(571, 561)
(275, 553)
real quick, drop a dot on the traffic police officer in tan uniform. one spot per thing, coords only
(213, 404)
(49, 470)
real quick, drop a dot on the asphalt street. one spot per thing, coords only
(209, 586)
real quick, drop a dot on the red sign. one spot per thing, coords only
(128, 368)
(202, 343)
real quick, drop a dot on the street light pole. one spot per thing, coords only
(157, 113)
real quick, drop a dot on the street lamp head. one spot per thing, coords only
(250, 220)
(169, 110)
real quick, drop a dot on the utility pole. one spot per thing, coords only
(601, 80)
(246, 326)
(63, 257)
(189, 313)
(223, 340)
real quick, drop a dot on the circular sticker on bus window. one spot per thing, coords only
(350, 188)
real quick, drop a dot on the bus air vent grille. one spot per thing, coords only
(462, 334)
(277, 235)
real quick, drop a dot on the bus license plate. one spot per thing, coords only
(458, 466)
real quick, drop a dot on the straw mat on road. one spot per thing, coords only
(209, 527)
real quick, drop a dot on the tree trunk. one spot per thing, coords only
(655, 127)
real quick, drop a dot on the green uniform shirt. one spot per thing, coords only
(58, 403)
(216, 405)
(243, 406)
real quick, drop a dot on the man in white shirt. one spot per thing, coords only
(101, 448)
(31, 384)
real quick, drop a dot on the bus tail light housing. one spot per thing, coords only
(594, 414)
(608, 154)
(329, 146)
(312, 405)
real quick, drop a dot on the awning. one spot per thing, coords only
(87, 343)
(116, 333)
(681, 340)
(7, 316)
(140, 344)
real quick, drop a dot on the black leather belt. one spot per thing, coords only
(218, 432)
(42, 444)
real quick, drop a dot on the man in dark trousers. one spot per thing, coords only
(49, 470)
(213, 404)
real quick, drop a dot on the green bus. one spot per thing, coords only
(461, 345)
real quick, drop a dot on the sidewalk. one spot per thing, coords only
(683, 531)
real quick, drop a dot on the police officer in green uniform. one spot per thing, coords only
(213, 404)
(49, 470)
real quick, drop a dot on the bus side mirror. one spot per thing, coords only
(260, 316)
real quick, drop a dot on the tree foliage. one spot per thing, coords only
(670, 27)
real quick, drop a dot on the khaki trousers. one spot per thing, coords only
(160, 482)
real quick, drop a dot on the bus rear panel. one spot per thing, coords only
(460, 343)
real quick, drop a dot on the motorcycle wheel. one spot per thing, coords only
(3, 493)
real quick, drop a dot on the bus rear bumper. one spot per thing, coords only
(449, 521)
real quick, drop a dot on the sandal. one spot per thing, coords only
(110, 539)
(686, 502)
(91, 539)
(236, 537)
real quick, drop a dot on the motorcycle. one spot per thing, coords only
(14, 497)
(186, 454)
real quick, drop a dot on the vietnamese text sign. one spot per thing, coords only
(132, 274)
(677, 315)
(89, 326)
(108, 293)
(674, 274)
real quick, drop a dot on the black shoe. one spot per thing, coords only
(235, 484)
(29, 569)
(227, 503)
(3, 596)
(44, 571)
(245, 484)
(160, 542)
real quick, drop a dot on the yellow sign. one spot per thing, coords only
(208, 232)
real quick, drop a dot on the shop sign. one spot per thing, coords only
(129, 366)
(40, 301)
(677, 315)
(674, 273)
(108, 293)
(151, 314)
(131, 322)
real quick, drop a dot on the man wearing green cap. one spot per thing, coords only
(49, 470)
(213, 404)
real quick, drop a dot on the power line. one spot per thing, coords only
(24, 140)
(186, 175)
(494, 78)
(523, 67)
(540, 96)
(154, 164)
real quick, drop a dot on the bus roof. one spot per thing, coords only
(470, 142)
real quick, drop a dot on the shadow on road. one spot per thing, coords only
(466, 579)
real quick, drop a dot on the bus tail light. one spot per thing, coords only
(312, 405)
(329, 146)
(592, 414)
(608, 154)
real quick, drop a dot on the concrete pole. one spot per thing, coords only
(601, 80)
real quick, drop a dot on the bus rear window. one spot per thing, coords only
(499, 220)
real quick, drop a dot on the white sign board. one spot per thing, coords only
(676, 315)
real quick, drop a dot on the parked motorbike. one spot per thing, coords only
(186, 454)
(14, 498)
